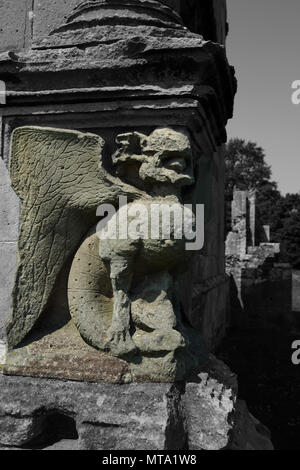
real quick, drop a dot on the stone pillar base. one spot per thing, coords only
(200, 414)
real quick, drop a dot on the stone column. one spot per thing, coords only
(119, 99)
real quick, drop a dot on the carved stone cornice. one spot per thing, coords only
(137, 49)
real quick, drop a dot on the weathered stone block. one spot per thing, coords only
(209, 405)
(202, 413)
(15, 431)
(136, 417)
(129, 417)
(9, 229)
(8, 257)
(9, 208)
(46, 14)
(14, 24)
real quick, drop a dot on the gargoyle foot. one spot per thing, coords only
(120, 343)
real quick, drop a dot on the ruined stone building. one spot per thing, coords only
(260, 285)
(108, 344)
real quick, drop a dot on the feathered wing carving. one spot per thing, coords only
(59, 177)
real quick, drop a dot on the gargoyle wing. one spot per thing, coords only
(59, 177)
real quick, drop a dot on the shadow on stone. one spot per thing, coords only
(55, 427)
(268, 381)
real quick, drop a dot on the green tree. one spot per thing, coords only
(246, 168)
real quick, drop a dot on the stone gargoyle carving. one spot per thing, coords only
(121, 291)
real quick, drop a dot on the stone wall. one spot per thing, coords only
(296, 291)
(260, 286)
(210, 285)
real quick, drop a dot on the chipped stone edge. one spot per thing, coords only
(3, 352)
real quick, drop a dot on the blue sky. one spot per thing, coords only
(264, 46)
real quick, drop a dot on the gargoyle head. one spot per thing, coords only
(165, 157)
